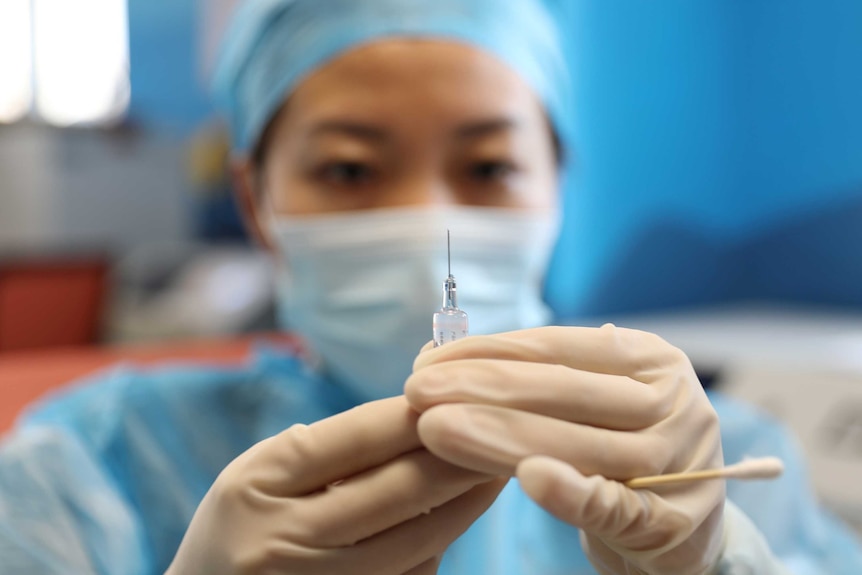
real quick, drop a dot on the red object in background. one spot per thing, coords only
(47, 302)
(27, 375)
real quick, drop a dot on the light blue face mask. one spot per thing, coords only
(362, 287)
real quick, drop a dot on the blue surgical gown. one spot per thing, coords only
(105, 476)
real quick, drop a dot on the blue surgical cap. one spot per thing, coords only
(273, 44)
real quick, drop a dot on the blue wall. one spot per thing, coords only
(168, 92)
(718, 154)
(718, 146)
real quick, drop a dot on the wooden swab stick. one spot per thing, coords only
(760, 468)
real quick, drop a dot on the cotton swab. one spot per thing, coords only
(759, 468)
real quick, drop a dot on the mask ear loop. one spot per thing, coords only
(269, 220)
(271, 224)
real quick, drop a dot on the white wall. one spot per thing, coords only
(62, 189)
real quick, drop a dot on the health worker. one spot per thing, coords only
(362, 131)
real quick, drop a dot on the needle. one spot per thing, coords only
(761, 468)
(449, 252)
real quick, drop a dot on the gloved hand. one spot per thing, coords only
(597, 406)
(354, 493)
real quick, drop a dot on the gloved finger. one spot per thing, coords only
(376, 500)
(608, 349)
(494, 440)
(412, 543)
(606, 509)
(303, 459)
(609, 401)
(428, 568)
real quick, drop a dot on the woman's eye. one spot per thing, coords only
(491, 171)
(347, 173)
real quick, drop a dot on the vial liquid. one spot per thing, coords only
(449, 323)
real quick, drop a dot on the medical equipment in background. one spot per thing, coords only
(449, 323)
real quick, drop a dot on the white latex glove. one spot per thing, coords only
(601, 405)
(354, 493)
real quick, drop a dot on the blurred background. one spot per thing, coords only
(715, 197)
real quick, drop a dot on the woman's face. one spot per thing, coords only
(406, 122)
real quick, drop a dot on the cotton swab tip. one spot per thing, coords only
(755, 468)
(760, 468)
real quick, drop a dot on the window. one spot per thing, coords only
(15, 60)
(62, 62)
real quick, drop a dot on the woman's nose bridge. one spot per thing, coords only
(426, 188)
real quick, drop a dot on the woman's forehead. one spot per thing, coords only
(273, 45)
(418, 76)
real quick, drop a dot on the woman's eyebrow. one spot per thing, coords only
(486, 127)
(349, 128)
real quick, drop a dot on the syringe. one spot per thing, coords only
(450, 323)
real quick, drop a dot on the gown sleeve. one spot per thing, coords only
(779, 519)
(60, 512)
